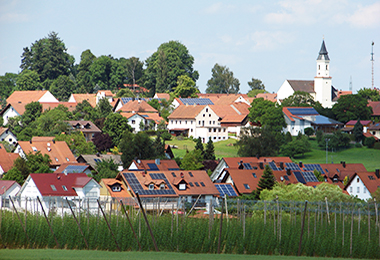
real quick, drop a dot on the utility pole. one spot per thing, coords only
(373, 61)
(327, 148)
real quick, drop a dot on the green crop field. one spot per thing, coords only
(370, 158)
(58, 254)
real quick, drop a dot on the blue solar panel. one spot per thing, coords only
(309, 177)
(312, 167)
(153, 166)
(226, 189)
(157, 176)
(135, 185)
(303, 111)
(75, 168)
(273, 166)
(292, 166)
(247, 166)
(196, 101)
(299, 177)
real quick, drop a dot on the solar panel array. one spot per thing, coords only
(135, 185)
(247, 166)
(274, 167)
(309, 177)
(153, 166)
(299, 177)
(226, 189)
(303, 111)
(75, 168)
(312, 167)
(196, 101)
(292, 166)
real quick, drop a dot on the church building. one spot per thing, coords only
(320, 88)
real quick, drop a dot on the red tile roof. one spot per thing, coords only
(58, 151)
(44, 182)
(369, 179)
(108, 183)
(6, 185)
(375, 107)
(91, 98)
(138, 106)
(26, 96)
(363, 122)
(7, 159)
(186, 112)
(267, 96)
(302, 85)
(164, 165)
(48, 106)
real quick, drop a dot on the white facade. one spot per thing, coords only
(296, 126)
(101, 95)
(9, 137)
(134, 121)
(9, 113)
(357, 189)
(48, 98)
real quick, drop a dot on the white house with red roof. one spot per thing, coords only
(362, 184)
(53, 189)
(9, 188)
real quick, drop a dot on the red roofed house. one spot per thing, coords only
(6, 160)
(362, 184)
(18, 99)
(58, 151)
(149, 120)
(79, 98)
(114, 190)
(8, 188)
(53, 189)
(88, 128)
(349, 127)
(153, 165)
(375, 110)
(374, 130)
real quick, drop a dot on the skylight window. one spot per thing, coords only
(246, 186)
(64, 188)
(53, 187)
(34, 149)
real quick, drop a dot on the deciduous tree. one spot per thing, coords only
(222, 81)
(352, 107)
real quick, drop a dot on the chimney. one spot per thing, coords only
(265, 160)
(261, 164)
(288, 172)
(157, 161)
(182, 175)
(257, 156)
(30, 141)
(65, 171)
(344, 164)
(241, 165)
(58, 177)
(300, 164)
(377, 173)
(53, 141)
(282, 165)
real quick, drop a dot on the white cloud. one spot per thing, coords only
(366, 16)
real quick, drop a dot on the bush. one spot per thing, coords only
(376, 145)
(166, 136)
(369, 142)
(358, 145)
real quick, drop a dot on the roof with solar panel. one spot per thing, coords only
(154, 165)
(226, 189)
(74, 168)
(196, 101)
(308, 114)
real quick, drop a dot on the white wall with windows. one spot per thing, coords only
(357, 189)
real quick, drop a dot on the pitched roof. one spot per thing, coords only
(58, 151)
(84, 126)
(227, 99)
(375, 107)
(308, 114)
(163, 95)
(107, 93)
(92, 159)
(6, 185)
(183, 111)
(194, 101)
(4, 129)
(49, 105)
(138, 106)
(302, 85)
(267, 96)
(7, 159)
(153, 117)
(244, 180)
(375, 126)
(231, 113)
(234, 162)
(26, 96)
(343, 93)
(73, 168)
(155, 165)
(197, 183)
(363, 122)
(341, 170)
(91, 98)
(368, 134)
(108, 183)
(323, 54)
(59, 184)
(369, 179)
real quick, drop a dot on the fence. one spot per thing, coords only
(245, 227)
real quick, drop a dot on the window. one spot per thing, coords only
(213, 122)
(133, 122)
(254, 175)
(56, 159)
(116, 188)
(34, 149)
(196, 184)
(327, 68)
(173, 174)
(204, 115)
(358, 190)
(191, 174)
(219, 130)
(214, 138)
(246, 186)
(64, 188)
(176, 122)
(209, 115)
(209, 129)
(185, 122)
(209, 122)
(202, 184)
(53, 187)
(171, 121)
(214, 130)
(191, 184)
(182, 186)
(350, 189)
(191, 122)
(206, 109)
(191, 130)
(224, 130)
(180, 121)
(357, 179)
(151, 186)
(162, 186)
(319, 67)
(365, 190)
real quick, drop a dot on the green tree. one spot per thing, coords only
(209, 153)
(267, 113)
(7, 85)
(52, 122)
(185, 87)
(84, 77)
(319, 136)
(299, 99)
(159, 147)
(319, 176)
(77, 143)
(192, 160)
(155, 104)
(101, 72)
(351, 107)
(358, 131)
(134, 71)
(199, 145)
(369, 142)
(369, 94)
(266, 181)
(84, 111)
(256, 84)
(48, 57)
(125, 92)
(33, 111)
(127, 149)
(28, 80)
(171, 60)
(222, 81)
(106, 169)
(309, 131)
(258, 142)
(298, 146)
(103, 108)
(115, 125)
(62, 87)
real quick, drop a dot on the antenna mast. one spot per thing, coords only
(372, 60)
(350, 87)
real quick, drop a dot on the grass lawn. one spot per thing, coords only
(55, 254)
(370, 158)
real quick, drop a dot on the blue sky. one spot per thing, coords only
(269, 40)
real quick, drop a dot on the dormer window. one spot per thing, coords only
(162, 186)
(182, 186)
(116, 188)
(151, 186)
(53, 187)
(34, 149)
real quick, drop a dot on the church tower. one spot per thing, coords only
(322, 81)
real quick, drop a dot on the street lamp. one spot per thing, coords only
(327, 146)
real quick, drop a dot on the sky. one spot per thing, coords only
(267, 40)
